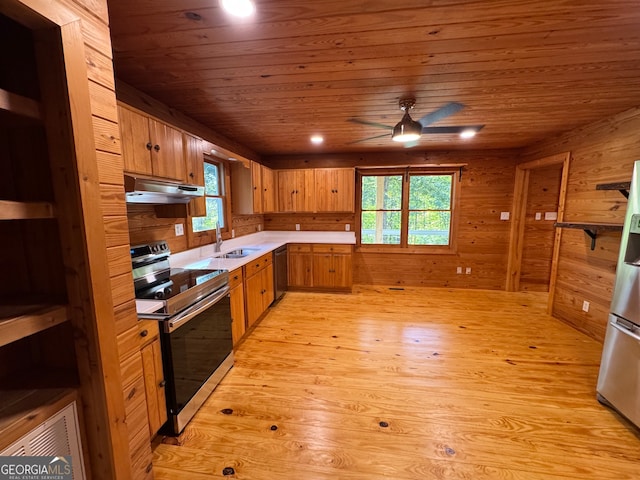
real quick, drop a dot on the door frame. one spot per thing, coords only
(520, 197)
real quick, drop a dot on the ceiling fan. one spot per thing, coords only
(408, 131)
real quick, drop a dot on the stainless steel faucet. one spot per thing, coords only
(218, 238)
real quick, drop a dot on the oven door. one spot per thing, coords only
(197, 352)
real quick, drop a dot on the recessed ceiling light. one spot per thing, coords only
(468, 133)
(239, 8)
(317, 139)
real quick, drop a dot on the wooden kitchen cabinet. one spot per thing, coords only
(335, 189)
(252, 189)
(300, 265)
(150, 147)
(296, 190)
(194, 168)
(238, 320)
(332, 266)
(258, 287)
(153, 373)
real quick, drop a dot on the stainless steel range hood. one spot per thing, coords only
(141, 189)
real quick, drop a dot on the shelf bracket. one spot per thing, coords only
(593, 234)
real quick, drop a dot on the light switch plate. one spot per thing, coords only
(551, 215)
(179, 229)
(467, 271)
(459, 270)
(585, 306)
(347, 227)
(538, 216)
(504, 215)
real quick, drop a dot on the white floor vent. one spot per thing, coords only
(59, 435)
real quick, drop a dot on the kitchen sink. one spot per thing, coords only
(238, 253)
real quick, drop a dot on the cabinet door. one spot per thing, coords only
(341, 271)
(194, 168)
(305, 196)
(322, 270)
(253, 296)
(154, 385)
(166, 153)
(334, 189)
(268, 190)
(268, 294)
(256, 185)
(286, 190)
(300, 265)
(135, 140)
(237, 313)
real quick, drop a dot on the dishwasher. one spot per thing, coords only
(279, 272)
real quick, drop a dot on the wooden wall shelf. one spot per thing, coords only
(19, 105)
(19, 321)
(591, 229)
(622, 187)
(10, 210)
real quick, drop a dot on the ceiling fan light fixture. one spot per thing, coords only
(468, 133)
(239, 8)
(406, 130)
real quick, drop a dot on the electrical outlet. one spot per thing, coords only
(297, 226)
(459, 270)
(179, 229)
(467, 270)
(585, 306)
(504, 215)
(538, 216)
(259, 227)
(347, 227)
(233, 233)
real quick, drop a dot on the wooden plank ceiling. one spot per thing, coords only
(524, 69)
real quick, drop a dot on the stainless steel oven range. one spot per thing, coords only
(195, 330)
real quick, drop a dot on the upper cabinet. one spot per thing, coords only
(150, 147)
(194, 168)
(296, 190)
(335, 189)
(252, 188)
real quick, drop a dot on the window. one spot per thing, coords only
(408, 208)
(214, 197)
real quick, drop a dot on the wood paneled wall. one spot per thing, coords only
(486, 190)
(330, 222)
(603, 152)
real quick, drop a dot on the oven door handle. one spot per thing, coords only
(198, 308)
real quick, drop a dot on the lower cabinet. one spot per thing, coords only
(238, 322)
(258, 287)
(153, 374)
(320, 266)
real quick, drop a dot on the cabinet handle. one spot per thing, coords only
(144, 333)
(235, 277)
(149, 145)
(156, 147)
(162, 383)
(191, 175)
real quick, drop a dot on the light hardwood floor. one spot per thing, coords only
(411, 384)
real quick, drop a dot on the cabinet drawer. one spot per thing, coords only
(235, 277)
(324, 248)
(148, 331)
(258, 264)
(300, 248)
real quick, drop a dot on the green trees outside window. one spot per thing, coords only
(406, 209)
(214, 199)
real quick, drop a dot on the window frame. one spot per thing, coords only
(209, 236)
(406, 173)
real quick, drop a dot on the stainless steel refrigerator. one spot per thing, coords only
(619, 378)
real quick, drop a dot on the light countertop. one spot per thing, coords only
(262, 242)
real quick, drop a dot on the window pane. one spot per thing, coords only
(430, 192)
(382, 192)
(211, 182)
(429, 228)
(214, 214)
(380, 227)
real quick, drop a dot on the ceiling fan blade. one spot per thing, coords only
(445, 130)
(371, 124)
(369, 138)
(442, 112)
